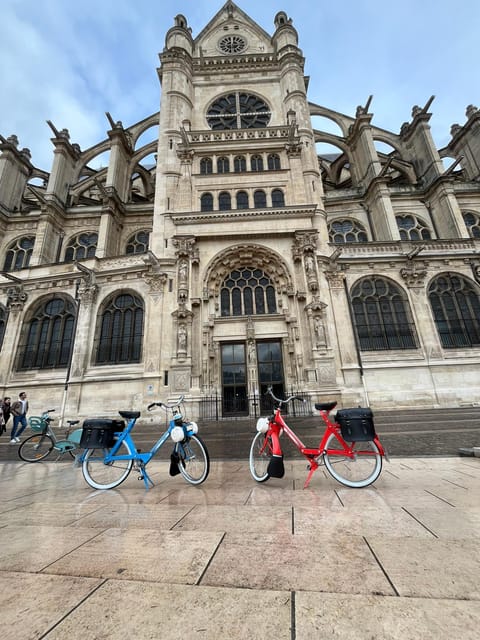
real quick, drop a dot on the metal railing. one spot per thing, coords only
(217, 407)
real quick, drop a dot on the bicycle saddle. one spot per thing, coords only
(325, 406)
(130, 415)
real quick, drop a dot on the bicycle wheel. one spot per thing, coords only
(35, 448)
(194, 463)
(260, 454)
(106, 475)
(356, 472)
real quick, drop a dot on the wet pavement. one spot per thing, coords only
(235, 559)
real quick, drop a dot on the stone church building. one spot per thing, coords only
(217, 251)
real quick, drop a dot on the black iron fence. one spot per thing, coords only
(216, 406)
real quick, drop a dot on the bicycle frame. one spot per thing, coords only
(277, 426)
(140, 458)
(70, 442)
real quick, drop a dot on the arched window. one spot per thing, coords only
(256, 163)
(455, 304)
(382, 316)
(81, 247)
(224, 201)
(278, 199)
(242, 200)
(238, 111)
(411, 228)
(247, 291)
(206, 166)
(472, 221)
(49, 336)
(343, 231)
(239, 164)
(3, 323)
(273, 161)
(223, 165)
(138, 243)
(260, 199)
(206, 202)
(120, 331)
(19, 254)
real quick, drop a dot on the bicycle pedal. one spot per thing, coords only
(140, 478)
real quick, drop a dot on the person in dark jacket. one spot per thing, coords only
(6, 410)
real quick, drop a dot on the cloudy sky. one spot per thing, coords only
(70, 63)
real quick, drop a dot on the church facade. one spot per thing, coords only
(218, 251)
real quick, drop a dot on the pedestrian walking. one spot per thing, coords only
(19, 411)
(5, 410)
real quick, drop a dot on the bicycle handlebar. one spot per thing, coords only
(280, 402)
(166, 406)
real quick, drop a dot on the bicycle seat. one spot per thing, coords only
(325, 406)
(130, 415)
(72, 422)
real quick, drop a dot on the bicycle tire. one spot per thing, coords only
(36, 447)
(355, 473)
(106, 476)
(194, 462)
(259, 458)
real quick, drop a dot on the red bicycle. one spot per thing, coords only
(349, 448)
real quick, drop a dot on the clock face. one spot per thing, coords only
(232, 44)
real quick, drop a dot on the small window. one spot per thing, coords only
(138, 243)
(411, 228)
(224, 201)
(239, 164)
(223, 165)
(19, 254)
(206, 166)
(206, 202)
(278, 199)
(343, 231)
(260, 199)
(81, 247)
(242, 200)
(273, 161)
(472, 221)
(256, 163)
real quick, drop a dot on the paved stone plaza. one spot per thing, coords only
(233, 558)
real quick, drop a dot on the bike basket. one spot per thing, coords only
(99, 433)
(36, 423)
(356, 425)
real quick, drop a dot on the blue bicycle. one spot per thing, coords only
(110, 452)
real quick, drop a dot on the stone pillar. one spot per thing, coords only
(16, 298)
(15, 171)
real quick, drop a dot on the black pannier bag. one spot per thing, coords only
(356, 425)
(98, 433)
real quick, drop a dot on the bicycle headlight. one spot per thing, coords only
(262, 425)
(177, 434)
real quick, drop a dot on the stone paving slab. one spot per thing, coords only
(236, 559)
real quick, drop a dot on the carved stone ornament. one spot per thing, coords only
(16, 298)
(413, 277)
(305, 241)
(87, 293)
(186, 248)
(155, 281)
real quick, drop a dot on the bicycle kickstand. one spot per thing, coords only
(140, 466)
(313, 466)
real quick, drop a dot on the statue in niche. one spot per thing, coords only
(309, 264)
(182, 338)
(183, 272)
(319, 330)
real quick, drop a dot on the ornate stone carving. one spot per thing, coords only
(413, 276)
(304, 241)
(155, 281)
(87, 292)
(16, 298)
(186, 248)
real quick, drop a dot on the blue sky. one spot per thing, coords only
(69, 62)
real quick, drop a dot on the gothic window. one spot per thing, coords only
(3, 323)
(238, 111)
(223, 165)
(242, 200)
(206, 202)
(382, 316)
(224, 201)
(138, 243)
(247, 291)
(256, 163)
(343, 231)
(232, 44)
(49, 336)
(472, 221)
(278, 199)
(260, 199)
(411, 228)
(455, 304)
(273, 161)
(81, 247)
(206, 166)
(120, 331)
(239, 164)
(19, 254)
